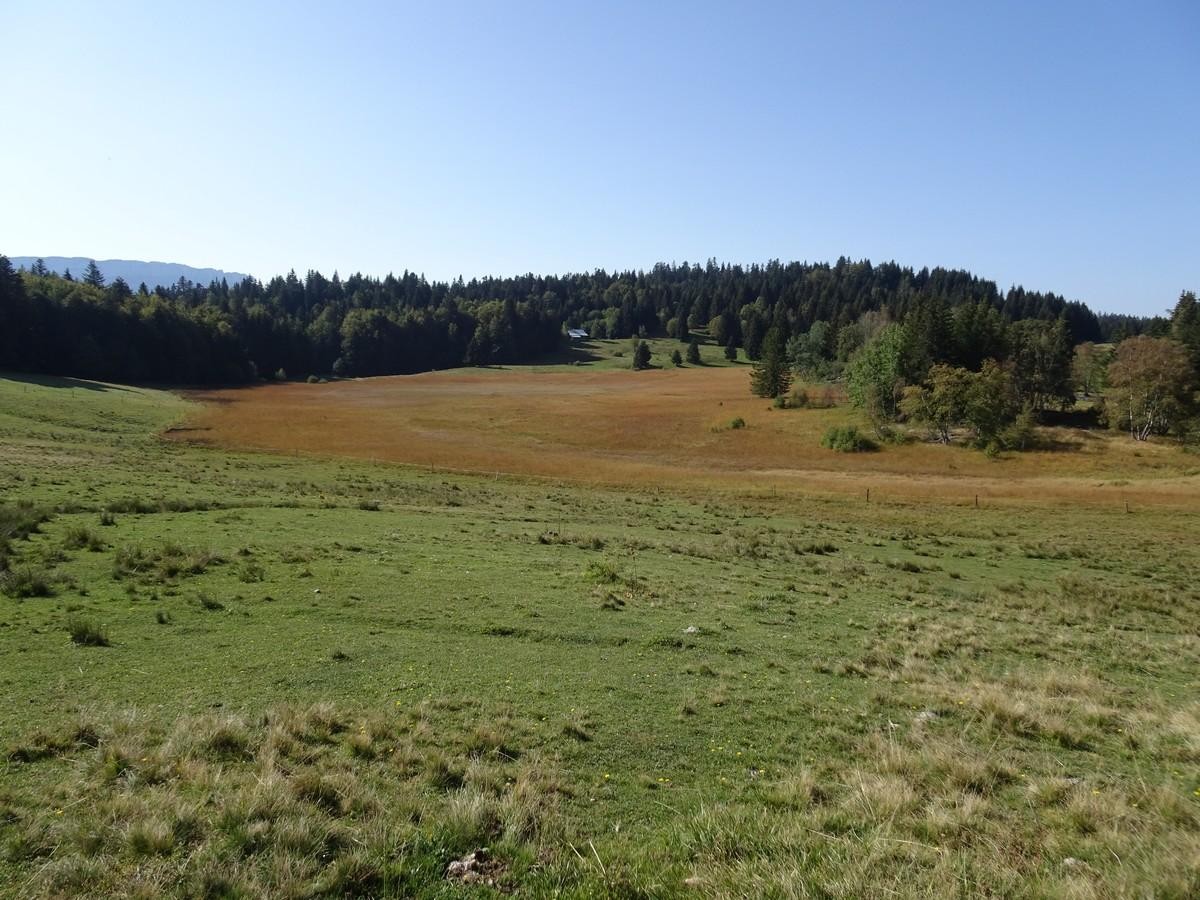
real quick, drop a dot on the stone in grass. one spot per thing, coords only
(691, 629)
(476, 867)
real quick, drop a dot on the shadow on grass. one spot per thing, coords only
(581, 353)
(55, 381)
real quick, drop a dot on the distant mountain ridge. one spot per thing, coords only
(134, 271)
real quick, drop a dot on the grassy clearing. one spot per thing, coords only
(335, 677)
(689, 429)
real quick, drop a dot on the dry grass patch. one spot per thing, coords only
(282, 804)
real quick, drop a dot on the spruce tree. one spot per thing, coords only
(731, 351)
(92, 275)
(693, 352)
(771, 376)
(641, 355)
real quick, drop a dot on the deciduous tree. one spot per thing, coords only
(1150, 386)
(874, 376)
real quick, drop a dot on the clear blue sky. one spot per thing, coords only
(1051, 144)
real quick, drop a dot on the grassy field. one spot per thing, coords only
(599, 424)
(251, 672)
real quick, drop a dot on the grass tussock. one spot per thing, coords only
(27, 581)
(164, 563)
(17, 522)
(87, 632)
(80, 537)
(289, 808)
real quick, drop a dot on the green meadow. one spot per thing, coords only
(243, 675)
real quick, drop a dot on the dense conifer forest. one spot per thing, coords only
(76, 324)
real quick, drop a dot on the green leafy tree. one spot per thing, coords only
(953, 396)
(809, 353)
(875, 378)
(1089, 368)
(1150, 386)
(992, 408)
(940, 403)
(772, 376)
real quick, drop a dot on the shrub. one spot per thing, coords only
(312, 379)
(676, 358)
(107, 518)
(207, 602)
(737, 422)
(17, 522)
(87, 632)
(1020, 434)
(26, 582)
(846, 439)
(78, 537)
(251, 572)
(781, 402)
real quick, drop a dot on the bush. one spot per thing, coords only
(207, 602)
(26, 582)
(17, 522)
(676, 358)
(78, 537)
(1019, 435)
(731, 425)
(781, 402)
(846, 439)
(87, 632)
(313, 379)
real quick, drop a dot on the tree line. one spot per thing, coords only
(970, 369)
(60, 323)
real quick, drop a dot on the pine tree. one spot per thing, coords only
(92, 275)
(731, 351)
(39, 267)
(641, 355)
(771, 376)
(693, 352)
(676, 358)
